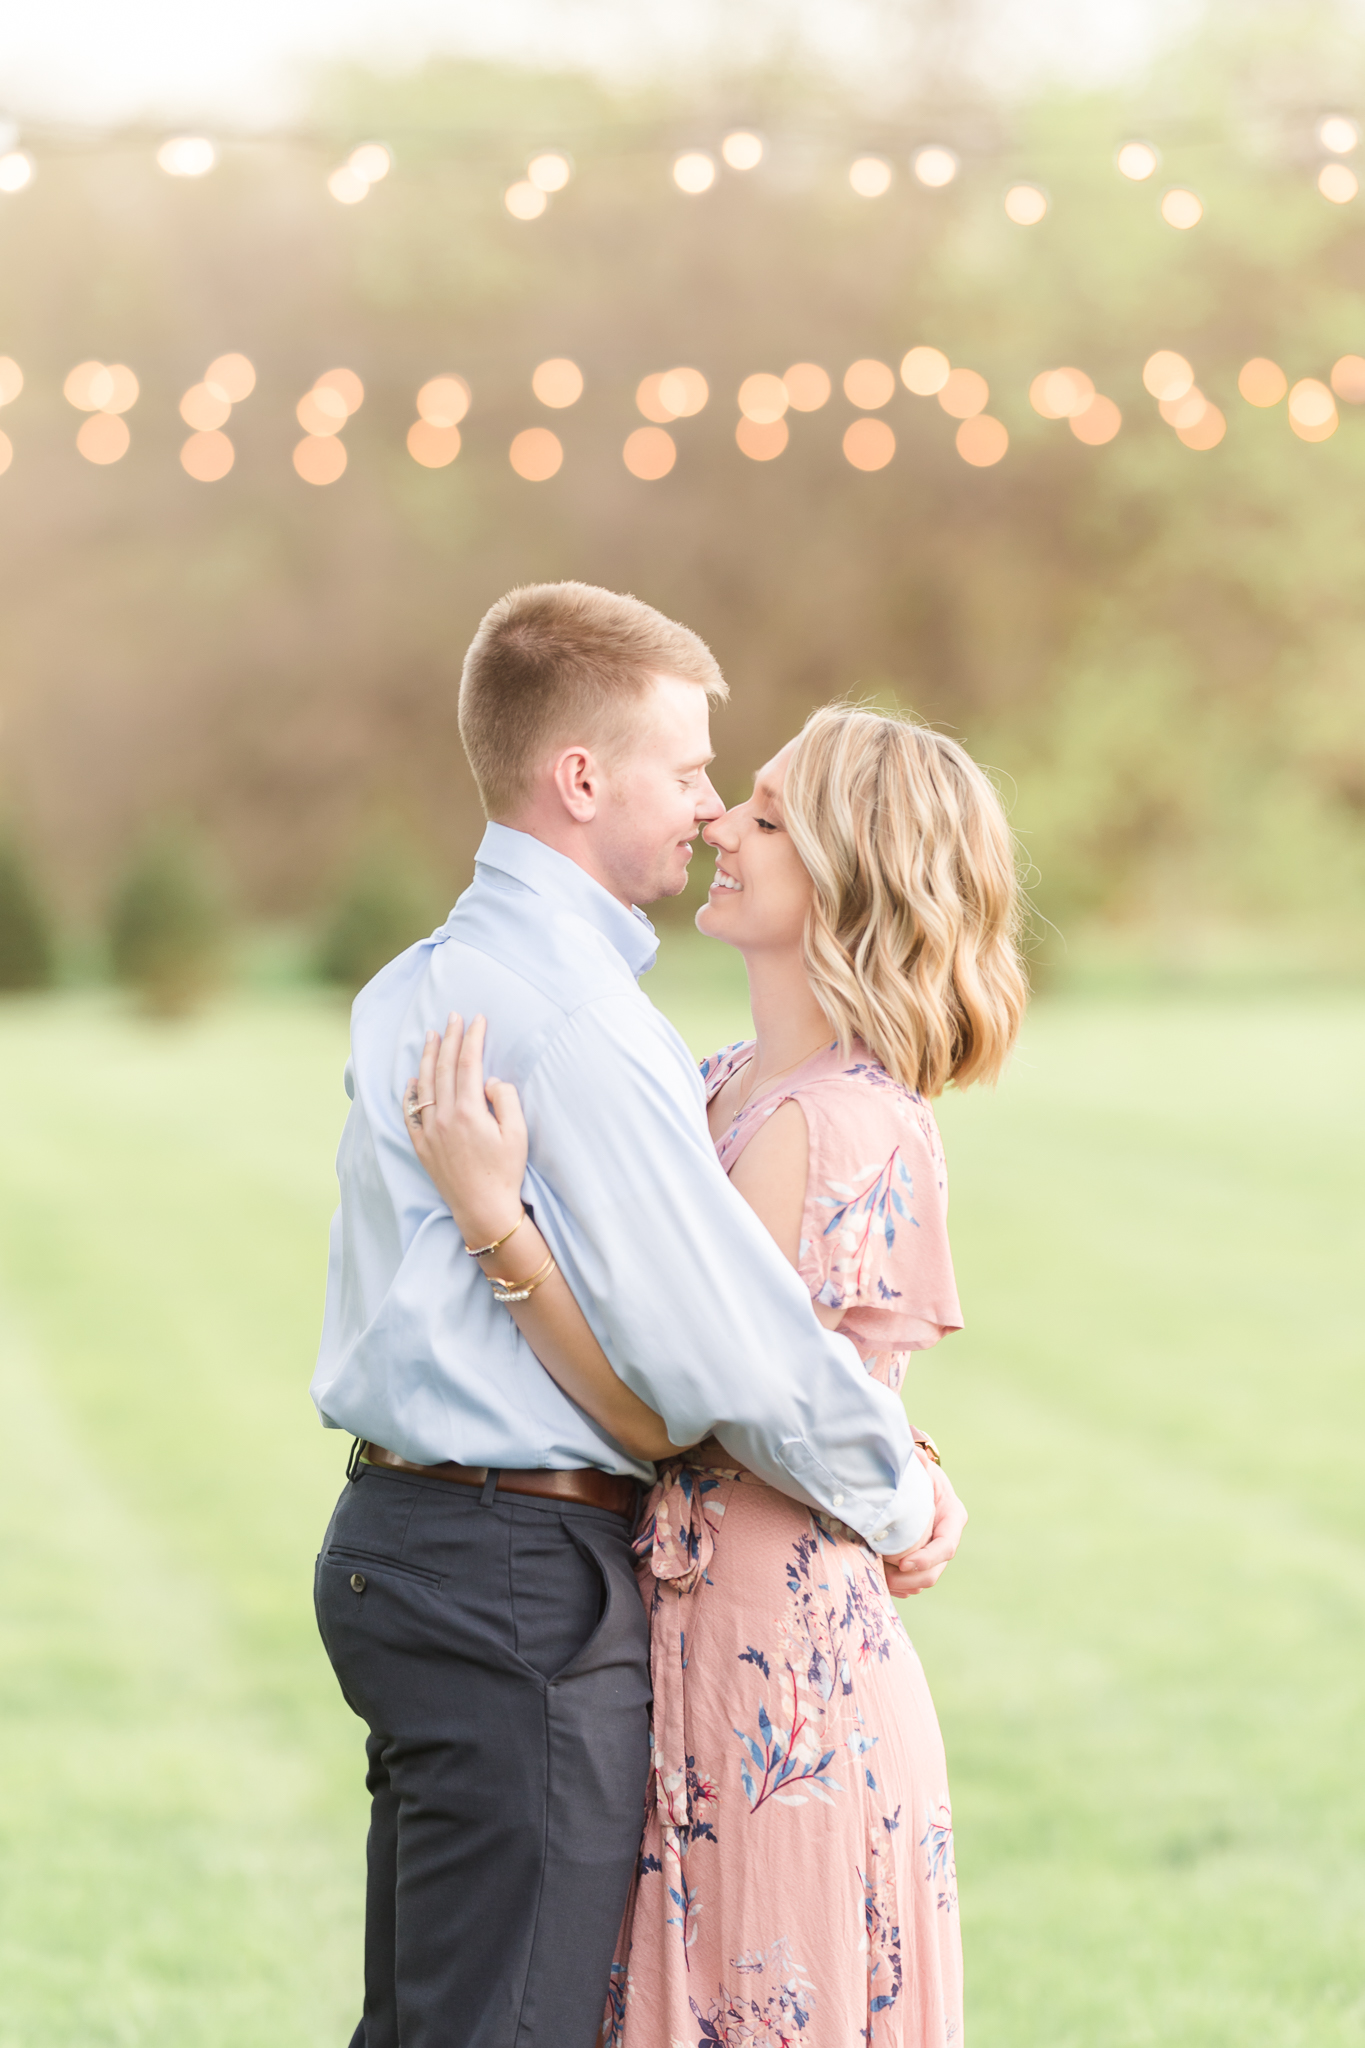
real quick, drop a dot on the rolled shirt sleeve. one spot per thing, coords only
(687, 1293)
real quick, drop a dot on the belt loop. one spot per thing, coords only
(358, 1447)
(490, 1485)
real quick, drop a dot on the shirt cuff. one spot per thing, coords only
(891, 1522)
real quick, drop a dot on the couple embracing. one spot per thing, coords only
(605, 1327)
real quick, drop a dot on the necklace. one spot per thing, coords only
(799, 1062)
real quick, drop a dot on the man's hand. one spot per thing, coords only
(919, 1569)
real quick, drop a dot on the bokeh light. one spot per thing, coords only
(1338, 182)
(88, 387)
(203, 409)
(6, 453)
(650, 401)
(345, 385)
(1166, 374)
(536, 454)
(433, 447)
(524, 201)
(1026, 205)
(869, 384)
(982, 441)
(925, 371)
(11, 380)
(1348, 379)
(443, 401)
(1338, 133)
(1206, 432)
(1099, 422)
(1061, 394)
(1262, 382)
(320, 411)
(869, 444)
(319, 459)
(370, 162)
(16, 170)
(1186, 411)
(870, 176)
(761, 440)
(1137, 160)
(935, 166)
(550, 171)
(103, 438)
(694, 171)
(187, 156)
(763, 398)
(684, 391)
(207, 457)
(964, 394)
(743, 150)
(347, 186)
(557, 382)
(808, 387)
(649, 453)
(1181, 208)
(123, 394)
(232, 377)
(1312, 410)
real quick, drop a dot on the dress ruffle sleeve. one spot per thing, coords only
(874, 1233)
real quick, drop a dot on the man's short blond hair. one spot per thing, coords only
(558, 664)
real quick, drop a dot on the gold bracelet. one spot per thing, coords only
(518, 1290)
(926, 1443)
(481, 1251)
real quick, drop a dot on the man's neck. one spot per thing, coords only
(571, 841)
(789, 1025)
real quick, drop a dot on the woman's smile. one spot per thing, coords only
(723, 882)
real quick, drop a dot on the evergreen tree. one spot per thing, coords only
(168, 925)
(388, 901)
(27, 942)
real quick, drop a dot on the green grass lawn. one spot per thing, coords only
(1148, 1658)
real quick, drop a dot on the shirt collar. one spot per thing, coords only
(555, 876)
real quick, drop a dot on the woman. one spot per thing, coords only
(796, 1880)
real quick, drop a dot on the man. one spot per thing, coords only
(475, 1590)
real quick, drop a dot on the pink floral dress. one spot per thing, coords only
(796, 1885)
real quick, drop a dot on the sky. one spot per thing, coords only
(246, 64)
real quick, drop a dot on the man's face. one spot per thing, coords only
(656, 795)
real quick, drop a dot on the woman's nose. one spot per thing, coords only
(721, 833)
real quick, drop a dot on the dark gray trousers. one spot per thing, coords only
(497, 1646)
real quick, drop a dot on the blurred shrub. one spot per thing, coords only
(388, 901)
(27, 938)
(168, 925)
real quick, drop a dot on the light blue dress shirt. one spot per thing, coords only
(689, 1297)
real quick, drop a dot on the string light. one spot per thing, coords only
(964, 394)
(433, 447)
(1167, 375)
(761, 440)
(870, 176)
(671, 395)
(16, 170)
(649, 453)
(207, 457)
(1312, 410)
(204, 409)
(763, 398)
(103, 438)
(934, 166)
(1181, 208)
(1205, 432)
(1138, 160)
(320, 459)
(525, 201)
(1338, 133)
(371, 161)
(11, 380)
(925, 371)
(1061, 394)
(869, 384)
(105, 391)
(1026, 205)
(807, 387)
(694, 171)
(232, 377)
(1338, 182)
(536, 454)
(982, 441)
(1262, 382)
(6, 453)
(743, 150)
(187, 156)
(1348, 379)
(550, 171)
(321, 412)
(443, 401)
(869, 444)
(1099, 422)
(558, 382)
(1186, 411)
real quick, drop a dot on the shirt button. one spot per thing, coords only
(838, 1500)
(877, 1535)
(357, 1582)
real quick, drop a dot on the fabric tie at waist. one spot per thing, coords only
(677, 1539)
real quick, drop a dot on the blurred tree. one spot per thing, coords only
(27, 938)
(388, 901)
(168, 924)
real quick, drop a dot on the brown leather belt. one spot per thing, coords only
(584, 1485)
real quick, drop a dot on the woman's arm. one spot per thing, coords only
(771, 1175)
(472, 1141)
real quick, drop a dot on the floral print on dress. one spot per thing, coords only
(796, 1886)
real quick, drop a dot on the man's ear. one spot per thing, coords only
(577, 780)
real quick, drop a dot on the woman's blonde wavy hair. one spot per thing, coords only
(911, 942)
